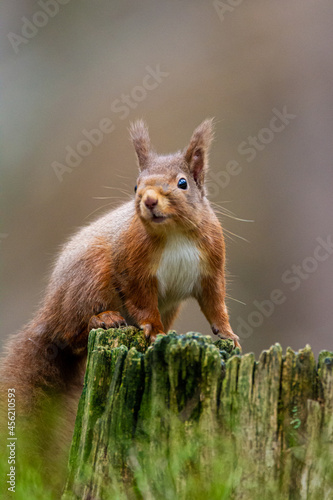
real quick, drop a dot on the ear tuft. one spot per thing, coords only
(196, 155)
(141, 142)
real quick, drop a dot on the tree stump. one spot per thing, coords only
(191, 418)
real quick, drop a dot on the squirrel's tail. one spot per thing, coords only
(38, 368)
(44, 385)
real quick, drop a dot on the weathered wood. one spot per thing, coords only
(276, 415)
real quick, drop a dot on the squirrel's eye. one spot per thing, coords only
(136, 187)
(182, 183)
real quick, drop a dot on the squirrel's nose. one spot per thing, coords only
(151, 202)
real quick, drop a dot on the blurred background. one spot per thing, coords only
(70, 68)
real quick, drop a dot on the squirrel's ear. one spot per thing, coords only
(196, 154)
(141, 142)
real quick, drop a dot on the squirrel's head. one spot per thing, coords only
(170, 189)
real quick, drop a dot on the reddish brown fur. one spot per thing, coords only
(112, 266)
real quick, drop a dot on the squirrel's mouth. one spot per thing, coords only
(152, 217)
(158, 218)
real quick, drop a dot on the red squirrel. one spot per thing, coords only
(134, 265)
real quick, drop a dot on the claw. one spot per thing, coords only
(106, 320)
(149, 332)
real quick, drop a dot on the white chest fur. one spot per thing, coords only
(178, 272)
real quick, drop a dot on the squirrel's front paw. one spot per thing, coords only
(227, 334)
(151, 332)
(106, 320)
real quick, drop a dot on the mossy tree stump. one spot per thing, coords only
(272, 420)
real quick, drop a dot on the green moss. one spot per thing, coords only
(225, 345)
(109, 339)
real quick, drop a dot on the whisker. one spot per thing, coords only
(119, 189)
(99, 208)
(223, 211)
(107, 197)
(125, 184)
(229, 237)
(236, 235)
(123, 176)
(188, 220)
(235, 300)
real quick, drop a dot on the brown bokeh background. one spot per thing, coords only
(236, 66)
